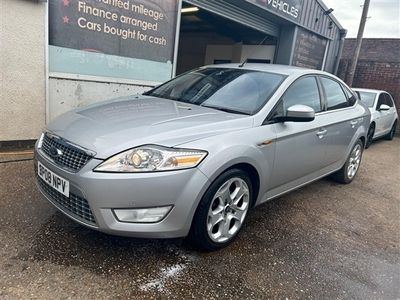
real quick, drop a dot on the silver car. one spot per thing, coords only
(383, 114)
(193, 155)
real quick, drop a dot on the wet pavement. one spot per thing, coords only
(325, 241)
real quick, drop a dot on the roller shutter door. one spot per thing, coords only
(239, 15)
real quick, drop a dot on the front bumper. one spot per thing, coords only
(106, 191)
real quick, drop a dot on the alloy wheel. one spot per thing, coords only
(228, 210)
(354, 161)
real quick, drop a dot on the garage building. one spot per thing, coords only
(70, 53)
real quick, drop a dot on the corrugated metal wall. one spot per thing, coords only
(237, 14)
(313, 17)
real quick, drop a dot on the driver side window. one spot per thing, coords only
(381, 100)
(304, 91)
(388, 100)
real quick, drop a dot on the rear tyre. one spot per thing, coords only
(370, 136)
(349, 171)
(222, 211)
(392, 132)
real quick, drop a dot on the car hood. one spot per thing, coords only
(113, 126)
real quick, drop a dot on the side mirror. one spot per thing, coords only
(358, 94)
(298, 113)
(384, 107)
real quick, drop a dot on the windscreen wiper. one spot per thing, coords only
(228, 110)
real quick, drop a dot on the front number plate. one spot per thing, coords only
(56, 182)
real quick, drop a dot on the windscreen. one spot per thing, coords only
(233, 90)
(367, 98)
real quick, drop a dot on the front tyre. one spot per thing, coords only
(222, 211)
(347, 173)
(370, 136)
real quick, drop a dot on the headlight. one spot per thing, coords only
(40, 142)
(152, 159)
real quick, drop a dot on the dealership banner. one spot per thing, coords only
(113, 38)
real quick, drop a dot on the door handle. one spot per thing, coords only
(321, 133)
(353, 123)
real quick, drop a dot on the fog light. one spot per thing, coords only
(142, 215)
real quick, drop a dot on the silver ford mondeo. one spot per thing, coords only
(193, 155)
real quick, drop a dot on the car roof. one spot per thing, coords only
(272, 68)
(369, 90)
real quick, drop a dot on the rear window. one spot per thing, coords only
(334, 94)
(367, 98)
(351, 98)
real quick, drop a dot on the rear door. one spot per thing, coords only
(342, 121)
(300, 147)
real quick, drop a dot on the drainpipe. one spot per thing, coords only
(343, 33)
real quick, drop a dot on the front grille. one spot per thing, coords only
(71, 157)
(76, 206)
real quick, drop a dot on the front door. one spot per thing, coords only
(389, 116)
(381, 116)
(300, 147)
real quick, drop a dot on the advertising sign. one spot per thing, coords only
(309, 51)
(107, 37)
(290, 9)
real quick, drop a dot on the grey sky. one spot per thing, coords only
(384, 21)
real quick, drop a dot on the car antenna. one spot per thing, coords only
(259, 44)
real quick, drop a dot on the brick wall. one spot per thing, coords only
(378, 65)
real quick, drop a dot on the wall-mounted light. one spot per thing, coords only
(189, 9)
(326, 13)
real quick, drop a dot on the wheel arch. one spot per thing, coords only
(197, 233)
(252, 172)
(363, 140)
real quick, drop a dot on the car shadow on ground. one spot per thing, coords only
(62, 241)
(317, 234)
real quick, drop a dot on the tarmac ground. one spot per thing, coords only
(324, 241)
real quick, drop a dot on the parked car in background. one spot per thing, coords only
(193, 155)
(384, 115)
